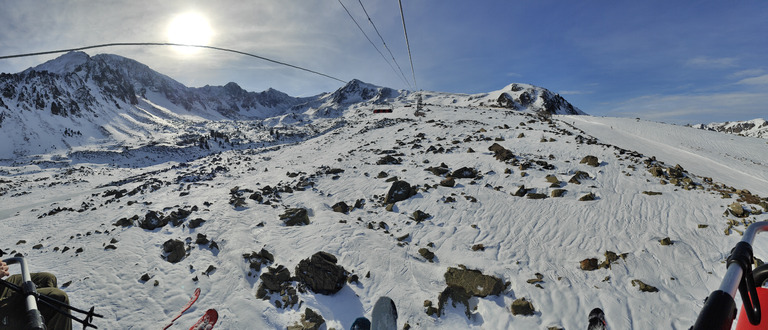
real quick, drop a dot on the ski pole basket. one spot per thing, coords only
(719, 309)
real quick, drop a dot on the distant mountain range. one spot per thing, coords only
(755, 128)
(79, 101)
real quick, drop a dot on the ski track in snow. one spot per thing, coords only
(521, 236)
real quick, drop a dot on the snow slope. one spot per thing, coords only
(754, 128)
(521, 236)
(735, 160)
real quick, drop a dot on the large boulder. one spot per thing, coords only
(174, 251)
(465, 173)
(399, 191)
(153, 220)
(590, 160)
(501, 153)
(474, 282)
(321, 274)
(295, 217)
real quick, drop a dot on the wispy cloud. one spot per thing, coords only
(687, 108)
(746, 73)
(711, 62)
(759, 80)
(575, 92)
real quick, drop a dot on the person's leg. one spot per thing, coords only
(11, 305)
(44, 280)
(13, 279)
(53, 319)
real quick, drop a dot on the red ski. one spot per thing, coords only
(207, 321)
(186, 307)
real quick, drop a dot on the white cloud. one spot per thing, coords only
(747, 73)
(759, 80)
(694, 108)
(574, 92)
(712, 62)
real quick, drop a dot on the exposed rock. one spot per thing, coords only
(340, 207)
(590, 160)
(456, 294)
(587, 197)
(258, 259)
(419, 216)
(588, 264)
(152, 220)
(666, 241)
(644, 287)
(399, 191)
(321, 274)
(195, 223)
(295, 217)
(652, 193)
(465, 173)
(738, 210)
(388, 160)
(275, 278)
(448, 182)
(536, 196)
(656, 171)
(522, 307)
(552, 179)
(501, 153)
(558, 192)
(174, 251)
(474, 282)
(310, 320)
(439, 171)
(578, 177)
(520, 192)
(676, 172)
(427, 254)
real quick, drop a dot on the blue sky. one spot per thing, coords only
(671, 61)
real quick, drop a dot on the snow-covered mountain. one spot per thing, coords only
(107, 101)
(468, 213)
(755, 128)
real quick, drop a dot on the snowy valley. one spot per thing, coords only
(511, 209)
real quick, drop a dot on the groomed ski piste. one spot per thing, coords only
(102, 264)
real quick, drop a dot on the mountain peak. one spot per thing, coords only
(63, 64)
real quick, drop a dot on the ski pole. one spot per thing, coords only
(35, 320)
(719, 309)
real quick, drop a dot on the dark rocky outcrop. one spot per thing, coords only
(340, 207)
(590, 160)
(295, 217)
(522, 307)
(501, 153)
(399, 191)
(321, 274)
(465, 173)
(174, 251)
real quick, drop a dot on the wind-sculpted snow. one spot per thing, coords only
(494, 192)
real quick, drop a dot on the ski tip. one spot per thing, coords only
(597, 319)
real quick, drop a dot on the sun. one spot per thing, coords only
(189, 29)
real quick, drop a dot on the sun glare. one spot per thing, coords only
(189, 29)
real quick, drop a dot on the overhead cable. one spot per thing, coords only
(382, 40)
(369, 40)
(408, 44)
(170, 44)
